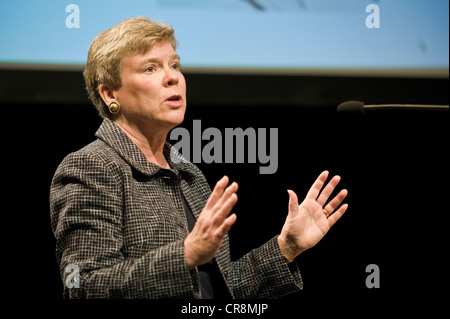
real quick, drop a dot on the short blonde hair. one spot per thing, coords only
(132, 36)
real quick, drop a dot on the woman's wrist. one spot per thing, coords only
(287, 248)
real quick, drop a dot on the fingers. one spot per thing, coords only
(293, 201)
(223, 210)
(333, 218)
(226, 225)
(221, 193)
(221, 201)
(226, 195)
(317, 186)
(322, 195)
(217, 192)
(335, 202)
(328, 190)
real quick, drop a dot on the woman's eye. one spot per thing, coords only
(150, 69)
(176, 66)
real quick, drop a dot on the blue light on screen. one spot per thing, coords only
(285, 35)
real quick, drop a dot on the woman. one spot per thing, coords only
(136, 219)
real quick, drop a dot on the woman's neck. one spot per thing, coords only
(152, 145)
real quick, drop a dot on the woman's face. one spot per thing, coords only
(153, 90)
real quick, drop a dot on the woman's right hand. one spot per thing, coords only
(214, 222)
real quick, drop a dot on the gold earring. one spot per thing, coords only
(114, 107)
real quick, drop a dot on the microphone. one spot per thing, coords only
(358, 106)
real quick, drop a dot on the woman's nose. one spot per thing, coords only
(171, 77)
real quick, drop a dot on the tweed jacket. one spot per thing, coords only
(120, 220)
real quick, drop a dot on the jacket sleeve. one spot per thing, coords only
(263, 273)
(86, 203)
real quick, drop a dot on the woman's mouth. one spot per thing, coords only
(174, 101)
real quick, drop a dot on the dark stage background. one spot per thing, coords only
(394, 164)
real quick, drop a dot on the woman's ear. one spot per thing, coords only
(107, 93)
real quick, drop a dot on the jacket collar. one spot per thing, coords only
(112, 135)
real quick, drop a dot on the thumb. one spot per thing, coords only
(293, 201)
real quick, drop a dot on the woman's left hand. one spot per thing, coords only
(307, 223)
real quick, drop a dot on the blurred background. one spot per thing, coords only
(259, 64)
